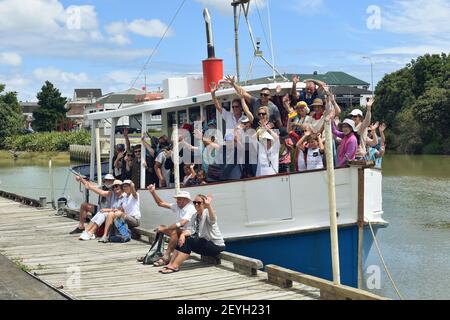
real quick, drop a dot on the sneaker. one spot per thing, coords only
(76, 231)
(103, 240)
(92, 237)
(85, 236)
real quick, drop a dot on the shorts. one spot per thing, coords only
(99, 218)
(200, 246)
(132, 222)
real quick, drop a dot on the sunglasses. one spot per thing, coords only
(264, 95)
(197, 203)
(262, 114)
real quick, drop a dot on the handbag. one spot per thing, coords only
(119, 231)
(156, 250)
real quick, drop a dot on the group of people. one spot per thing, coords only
(195, 229)
(272, 134)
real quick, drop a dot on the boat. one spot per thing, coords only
(281, 219)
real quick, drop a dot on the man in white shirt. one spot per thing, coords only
(184, 210)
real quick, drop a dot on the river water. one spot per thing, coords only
(416, 203)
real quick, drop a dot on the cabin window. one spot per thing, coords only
(194, 115)
(209, 113)
(182, 117)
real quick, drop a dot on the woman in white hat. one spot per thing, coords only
(349, 143)
(268, 151)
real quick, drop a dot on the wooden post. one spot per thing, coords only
(52, 191)
(332, 204)
(92, 160)
(98, 155)
(143, 149)
(360, 224)
(176, 158)
(112, 144)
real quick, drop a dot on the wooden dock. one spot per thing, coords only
(38, 240)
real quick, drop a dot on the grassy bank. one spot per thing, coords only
(47, 141)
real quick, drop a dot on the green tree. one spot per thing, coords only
(11, 119)
(51, 108)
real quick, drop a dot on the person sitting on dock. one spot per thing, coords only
(184, 210)
(105, 199)
(117, 198)
(204, 237)
(129, 211)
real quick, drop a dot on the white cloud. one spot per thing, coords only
(58, 76)
(307, 6)
(10, 58)
(224, 6)
(423, 17)
(414, 50)
(147, 28)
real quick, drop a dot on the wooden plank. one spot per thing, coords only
(330, 289)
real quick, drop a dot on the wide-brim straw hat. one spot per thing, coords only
(317, 102)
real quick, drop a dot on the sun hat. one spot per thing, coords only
(182, 194)
(108, 176)
(356, 112)
(117, 182)
(350, 122)
(301, 104)
(127, 182)
(317, 102)
(244, 119)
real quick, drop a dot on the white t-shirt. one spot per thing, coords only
(185, 213)
(131, 206)
(161, 158)
(207, 228)
(301, 164)
(268, 159)
(230, 120)
(314, 159)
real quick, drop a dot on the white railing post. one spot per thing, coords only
(176, 158)
(332, 203)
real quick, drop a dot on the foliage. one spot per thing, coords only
(11, 119)
(415, 102)
(47, 141)
(51, 108)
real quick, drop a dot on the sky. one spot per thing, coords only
(106, 43)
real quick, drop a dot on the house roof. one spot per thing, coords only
(28, 107)
(88, 93)
(334, 78)
(343, 90)
(127, 96)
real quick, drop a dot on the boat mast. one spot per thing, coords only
(235, 5)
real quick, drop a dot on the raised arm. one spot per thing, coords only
(321, 146)
(211, 211)
(213, 87)
(294, 93)
(247, 110)
(158, 200)
(127, 140)
(335, 131)
(240, 91)
(148, 147)
(366, 122)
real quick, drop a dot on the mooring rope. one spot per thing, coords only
(382, 260)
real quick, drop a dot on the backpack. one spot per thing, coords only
(156, 250)
(119, 231)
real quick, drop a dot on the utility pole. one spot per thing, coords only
(371, 72)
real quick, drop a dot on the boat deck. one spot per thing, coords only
(38, 240)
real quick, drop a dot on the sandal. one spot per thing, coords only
(167, 270)
(161, 262)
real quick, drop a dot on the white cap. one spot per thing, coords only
(356, 112)
(183, 194)
(244, 119)
(109, 176)
(127, 182)
(350, 122)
